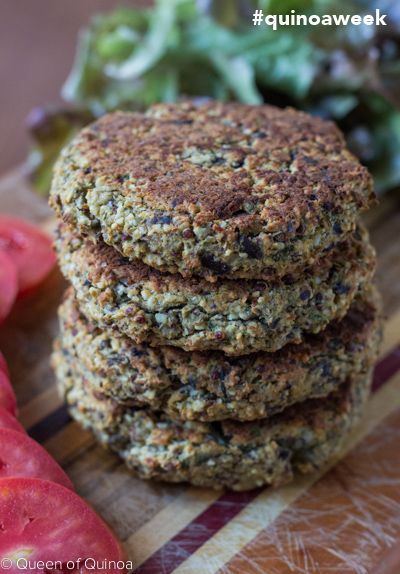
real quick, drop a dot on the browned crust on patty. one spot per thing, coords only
(237, 317)
(102, 262)
(297, 151)
(216, 190)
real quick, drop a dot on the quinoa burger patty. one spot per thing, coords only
(210, 386)
(226, 454)
(215, 190)
(234, 316)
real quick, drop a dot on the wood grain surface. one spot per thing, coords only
(343, 520)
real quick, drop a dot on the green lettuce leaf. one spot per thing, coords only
(131, 58)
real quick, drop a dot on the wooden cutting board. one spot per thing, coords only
(345, 519)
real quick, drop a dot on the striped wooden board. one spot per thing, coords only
(345, 519)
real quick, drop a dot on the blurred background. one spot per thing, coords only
(55, 80)
(37, 46)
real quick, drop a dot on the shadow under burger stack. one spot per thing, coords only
(222, 325)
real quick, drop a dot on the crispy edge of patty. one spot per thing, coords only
(232, 205)
(210, 386)
(237, 317)
(231, 454)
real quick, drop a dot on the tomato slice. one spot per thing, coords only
(8, 421)
(3, 365)
(41, 520)
(29, 248)
(8, 285)
(7, 396)
(22, 456)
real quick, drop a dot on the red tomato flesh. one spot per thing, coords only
(7, 396)
(29, 248)
(8, 421)
(22, 456)
(3, 365)
(42, 520)
(8, 285)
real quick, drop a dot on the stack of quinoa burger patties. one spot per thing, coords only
(221, 327)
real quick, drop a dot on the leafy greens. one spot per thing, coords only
(131, 58)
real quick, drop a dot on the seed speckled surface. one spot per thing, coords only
(230, 454)
(234, 316)
(210, 386)
(220, 189)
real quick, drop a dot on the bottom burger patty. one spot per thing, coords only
(237, 455)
